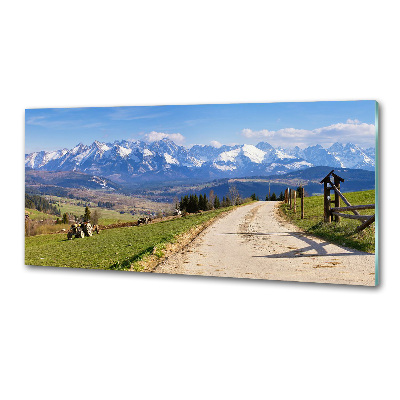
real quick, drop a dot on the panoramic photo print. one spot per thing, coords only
(274, 191)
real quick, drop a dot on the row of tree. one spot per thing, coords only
(105, 204)
(193, 203)
(281, 197)
(273, 197)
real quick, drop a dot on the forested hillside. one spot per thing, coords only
(39, 203)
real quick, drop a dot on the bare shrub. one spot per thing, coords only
(234, 195)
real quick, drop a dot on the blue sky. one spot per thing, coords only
(280, 124)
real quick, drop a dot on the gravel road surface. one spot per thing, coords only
(253, 241)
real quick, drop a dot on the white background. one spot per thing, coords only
(76, 334)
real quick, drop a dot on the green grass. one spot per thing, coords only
(107, 216)
(112, 249)
(341, 233)
(38, 215)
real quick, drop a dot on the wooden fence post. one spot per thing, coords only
(337, 198)
(327, 216)
(294, 200)
(290, 199)
(302, 203)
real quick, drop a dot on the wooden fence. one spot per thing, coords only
(290, 199)
(335, 213)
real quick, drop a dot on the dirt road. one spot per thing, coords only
(253, 241)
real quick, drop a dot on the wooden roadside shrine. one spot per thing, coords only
(334, 213)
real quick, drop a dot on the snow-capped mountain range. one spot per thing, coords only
(124, 160)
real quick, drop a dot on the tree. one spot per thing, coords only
(86, 215)
(205, 205)
(266, 198)
(95, 217)
(299, 190)
(203, 202)
(273, 196)
(253, 197)
(193, 204)
(65, 218)
(184, 203)
(281, 197)
(211, 199)
(234, 195)
(226, 202)
(217, 203)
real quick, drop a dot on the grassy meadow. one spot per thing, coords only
(341, 233)
(39, 215)
(107, 216)
(117, 248)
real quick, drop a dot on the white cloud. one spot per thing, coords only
(133, 113)
(216, 144)
(154, 136)
(287, 132)
(356, 132)
(352, 121)
(295, 133)
(53, 124)
(38, 120)
(256, 134)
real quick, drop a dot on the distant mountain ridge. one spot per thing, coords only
(125, 161)
(309, 178)
(67, 179)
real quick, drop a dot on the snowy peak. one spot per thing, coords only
(336, 147)
(78, 148)
(164, 145)
(100, 146)
(282, 154)
(121, 151)
(264, 146)
(253, 153)
(229, 156)
(319, 156)
(351, 156)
